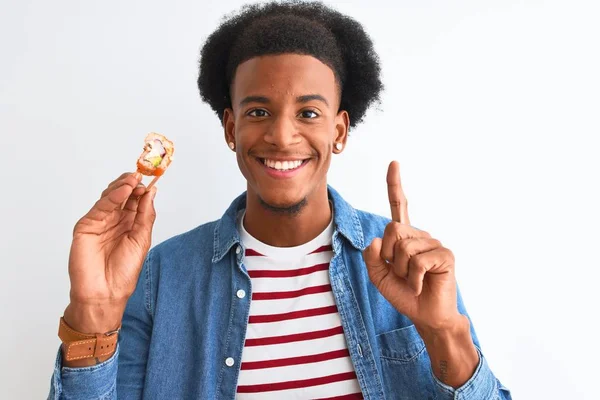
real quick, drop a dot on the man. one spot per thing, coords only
(292, 293)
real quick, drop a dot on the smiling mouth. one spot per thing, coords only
(288, 165)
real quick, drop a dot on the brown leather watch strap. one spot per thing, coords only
(78, 346)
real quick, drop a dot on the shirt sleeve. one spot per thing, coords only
(483, 385)
(95, 382)
(125, 371)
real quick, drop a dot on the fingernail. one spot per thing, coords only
(138, 175)
(140, 185)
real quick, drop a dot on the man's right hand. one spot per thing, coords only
(109, 246)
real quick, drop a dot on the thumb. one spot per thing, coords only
(141, 231)
(377, 267)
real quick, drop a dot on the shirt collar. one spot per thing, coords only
(345, 219)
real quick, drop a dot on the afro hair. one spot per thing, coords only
(297, 27)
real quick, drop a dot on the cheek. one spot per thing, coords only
(248, 134)
(326, 142)
(246, 140)
(244, 164)
(327, 161)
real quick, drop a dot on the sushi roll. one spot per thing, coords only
(157, 155)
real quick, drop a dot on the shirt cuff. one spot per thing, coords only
(97, 381)
(482, 385)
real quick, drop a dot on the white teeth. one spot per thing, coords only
(282, 165)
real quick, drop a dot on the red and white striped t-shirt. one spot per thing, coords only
(295, 346)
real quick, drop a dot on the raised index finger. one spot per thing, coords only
(398, 202)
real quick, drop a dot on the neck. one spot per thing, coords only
(281, 229)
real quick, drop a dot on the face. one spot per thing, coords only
(284, 122)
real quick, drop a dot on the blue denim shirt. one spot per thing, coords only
(184, 320)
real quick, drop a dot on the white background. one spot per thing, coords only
(491, 107)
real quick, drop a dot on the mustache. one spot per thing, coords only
(280, 154)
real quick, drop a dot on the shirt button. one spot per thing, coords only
(238, 250)
(229, 362)
(241, 293)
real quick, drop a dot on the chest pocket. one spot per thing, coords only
(405, 365)
(401, 345)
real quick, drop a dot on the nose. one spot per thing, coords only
(282, 132)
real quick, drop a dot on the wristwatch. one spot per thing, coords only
(80, 346)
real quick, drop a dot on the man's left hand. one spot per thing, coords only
(412, 270)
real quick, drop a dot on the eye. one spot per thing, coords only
(309, 114)
(258, 112)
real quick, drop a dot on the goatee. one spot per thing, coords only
(289, 210)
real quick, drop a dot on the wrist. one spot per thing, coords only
(93, 318)
(451, 351)
(81, 350)
(454, 327)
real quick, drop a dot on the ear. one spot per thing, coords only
(342, 124)
(229, 126)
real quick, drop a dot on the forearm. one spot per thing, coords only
(452, 353)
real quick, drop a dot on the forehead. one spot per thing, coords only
(285, 75)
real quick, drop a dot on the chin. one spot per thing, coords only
(284, 200)
(281, 199)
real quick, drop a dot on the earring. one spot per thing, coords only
(232, 145)
(339, 146)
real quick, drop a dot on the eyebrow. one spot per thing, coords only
(300, 99)
(254, 99)
(310, 97)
